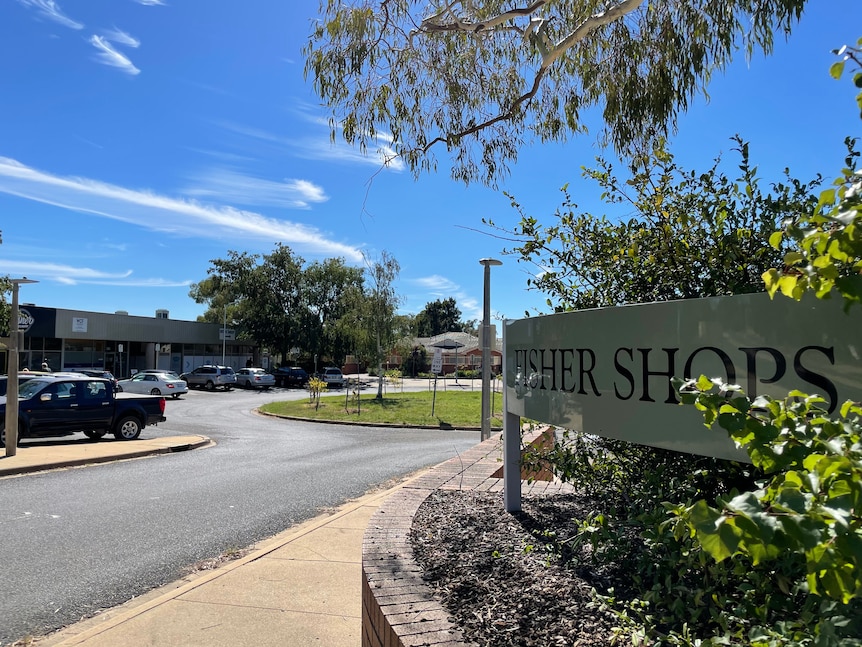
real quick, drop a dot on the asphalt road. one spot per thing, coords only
(78, 540)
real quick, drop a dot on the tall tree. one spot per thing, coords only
(376, 335)
(439, 317)
(328, 289)
(262, 295)
(481, 78)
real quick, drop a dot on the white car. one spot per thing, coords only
(252, 378)
(333, 377)
(164, 384)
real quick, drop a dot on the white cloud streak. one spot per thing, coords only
(174, 216)
(51, 10)
(110, 56)
(152, 3)
(229, 186)
(439, 287)
(119, 36)
(320, 148)
(71, 275)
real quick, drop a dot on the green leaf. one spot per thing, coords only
(787, 285)
(791, 258)
(836, 70)
(775, 239)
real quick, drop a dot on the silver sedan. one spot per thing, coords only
(155, 384)
(253, 378)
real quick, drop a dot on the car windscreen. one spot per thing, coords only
(29, 388)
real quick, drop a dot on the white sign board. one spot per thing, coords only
(437, 362)
(608, 371)
(79, 324)
(226, 334)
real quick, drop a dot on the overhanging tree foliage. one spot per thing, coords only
(481, 78)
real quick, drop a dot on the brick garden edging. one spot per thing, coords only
(398, 608)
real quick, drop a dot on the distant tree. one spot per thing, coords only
(262, 295)
(328, 290)
(5, 286)
(480, 79)
(405, 326)
(439, 317)
(375, 337)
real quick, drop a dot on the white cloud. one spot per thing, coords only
(228, 186)
(71, 275)
(152, 3)
(119, 36)
(110, 56)
(52, 11)
(175, 216)
(437, 285)
(321, 148)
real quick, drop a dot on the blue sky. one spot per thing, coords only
(141, 138)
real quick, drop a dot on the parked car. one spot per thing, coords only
(22, 377)
(333, 377)
(210, 377)
(166, 384)
(172, 374)
(52, 406)
(290, 376)
(253, 378)
(105, 374)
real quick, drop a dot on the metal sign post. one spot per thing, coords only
(12, 381)
(436, 367)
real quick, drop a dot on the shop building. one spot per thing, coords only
(72, 340)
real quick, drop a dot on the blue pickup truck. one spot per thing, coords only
(54, 406)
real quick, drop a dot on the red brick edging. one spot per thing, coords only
(398, 608)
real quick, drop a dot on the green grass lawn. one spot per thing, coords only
(453, 409)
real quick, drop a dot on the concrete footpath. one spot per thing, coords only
(302, 587)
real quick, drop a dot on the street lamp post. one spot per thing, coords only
(486, 349)
(12, 380)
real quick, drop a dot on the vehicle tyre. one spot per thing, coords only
(128, 428)
(155, 392)
(3, 433)
(209, 385)
(92, 434)
(175, 395)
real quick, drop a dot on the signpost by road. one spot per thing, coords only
(436, 368)
(610, 371)
(12, 381)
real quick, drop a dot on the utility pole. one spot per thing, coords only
(486, 349)
(12, 380)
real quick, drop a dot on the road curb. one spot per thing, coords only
(203, 441)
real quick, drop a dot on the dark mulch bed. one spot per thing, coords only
(513, 580)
